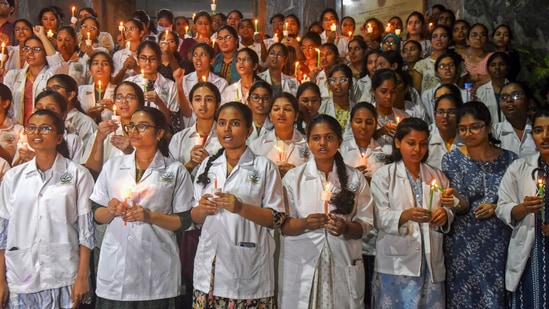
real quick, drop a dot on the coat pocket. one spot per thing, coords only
(108, 261)
(356, 279)
(245, 263)
(19, 266)
(395, 245)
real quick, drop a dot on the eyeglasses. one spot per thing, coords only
(226, 38)
(390, 43)
(90, 28)
(445, 66)
(130, 28)
(42, 130)
(474, 128)
(243, 60)
(55, 88)
(334, 80)
(442, 36)
(279, 55)
(256, 98)
(147, 59)
(515, 95)
(28, 49)
(449, 112)
(141, 127)
(128, 98)
(311, 100)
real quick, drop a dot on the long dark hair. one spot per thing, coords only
(345, 199)
(404, 128)
(160, 122)
(246, 113)
(59, 125)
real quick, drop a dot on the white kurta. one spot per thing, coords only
(42, 249)
(140, 261)
(241, 271)
(300, 254)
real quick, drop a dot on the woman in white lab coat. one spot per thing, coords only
(321, 259)
(96, 99)
(246, 61)
(143, 199)
(523, 207)
(234, 262)
(411, 220)
(259, 101)
(46, 223)
(285, 145)
(277, 61)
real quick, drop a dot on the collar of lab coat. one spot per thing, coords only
(352, 145)
(311, 171)
(157, 163)
(246, 161)
(297, 137)
(59, 166)
(435, 137)
(533, 160)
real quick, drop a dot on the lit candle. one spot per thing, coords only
(363, 159)
(430, 26)
(213, 6)
(2, 56)
(73, 8)
(215, 183)
(333, 27)
(213, 43)
(186, 29)
(296, 67)
(298, 39)
(115, 117)
(304, 78)
(74, 20)
(275, 38)
(286, 28)
(204, 78)
(370, 29)
(541, 193)
(128, 45)
(431, 194)
(99, 90)
(318, 58)
(397, 32)
(127, 201)
(49, 34)
(88, 35)
(350, 34)
(121, 27)
(194, 15)
(280, 154)
(198, 140)
(166, 36)
(22, 143)
(255, 23)
(326, 196)
(397, 120)
(388, 28)
(144, 80)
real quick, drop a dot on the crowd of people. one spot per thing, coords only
(202, 163)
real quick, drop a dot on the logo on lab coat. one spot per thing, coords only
(254, 177)
(66, 178)
(167, 177)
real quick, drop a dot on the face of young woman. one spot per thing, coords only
(513, 108)
(327, 58)
(203, 26)
(259, 101)
(126, 101)
(395, 24)
(100, 67)
(65, 43)
(540, 133)
(232, 131)
(382, 63)
(440, 39)
(48, 140)
(309, 103)
(283, 114)
(89, 26)
(278, 26)
(477, 37)
(339, 83)
(57, 87)
(473, 131)
(460, 32)
(293, 28)
(445, 116)
(172, 42)
(347, 26)
(203, 103)
(244, 63)
(277, 59)
(502, 37)
(180, 25)
(411, 53)
(323, 141)
(201, 60)
(22, 32)
(246, 29)
(328, 20)
(34, 58)
(414, 26)
(371, 64)
(308, 49)
(132, 32)
(363, 125)
(447, 71)
(147, 139)
(226, 41)
(50, 104)
(148, 60)
(385, 95)
(498, 68)
(49, 21)
(413, 147)
(389, 44)
(356, 53)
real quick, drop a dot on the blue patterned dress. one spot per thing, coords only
(475, 250)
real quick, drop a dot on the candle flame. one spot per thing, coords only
(434, 183)
(327, 186)
(540, 180)
(99, 85)
(204, 78)
(398, 120)
(298, 39)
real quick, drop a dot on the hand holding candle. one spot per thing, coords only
(333, 27)
(121, 27)
(74, 20)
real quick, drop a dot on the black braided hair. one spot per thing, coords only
(203, 178)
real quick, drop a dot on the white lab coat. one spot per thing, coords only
(10, 134)
(140, 261)
(190, 80)
(118, 59)
(86, 96)
(364, 90)
(400, 249)
(77, 68)
(80, 124)
(288, 83)
(516, 184)
(43, 237)
(15, 80)
(524, 147)
(428, 100)
(295, 152)
(373, 157)
(164, 88)
(437, 147)
(241, 272)
(233, 93)
(342, 43)
(485, 94)
(4, 167)
(182, 143)
(266, 128)
(109, 151)
(299, 255)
